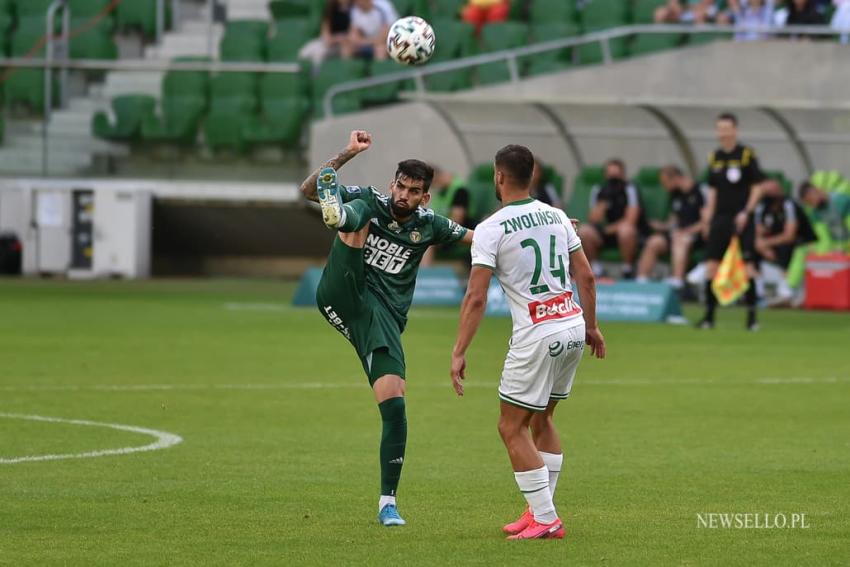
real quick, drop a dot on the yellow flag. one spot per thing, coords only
(731, 280)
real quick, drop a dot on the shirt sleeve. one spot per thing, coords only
(351, 192)
(485, 244)
(790, 211)
(594, 195)
(446, 230)
(632, 199)
(573, 240)
(755, 173)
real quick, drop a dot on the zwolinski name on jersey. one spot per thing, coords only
(530, 220)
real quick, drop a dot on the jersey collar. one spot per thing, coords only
(521, 202)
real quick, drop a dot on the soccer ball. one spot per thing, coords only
(411, 41)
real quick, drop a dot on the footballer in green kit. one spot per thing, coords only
(367, 284)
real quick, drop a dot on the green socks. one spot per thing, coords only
(356, 215)
(393, 442)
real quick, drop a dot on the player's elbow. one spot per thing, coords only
(476, 301)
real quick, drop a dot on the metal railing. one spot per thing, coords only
(511, 56)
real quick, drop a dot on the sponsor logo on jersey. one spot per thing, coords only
(559, 307)
(384, 255)
(415, 236)
(336, 321)
(531, 220)
(394, 226)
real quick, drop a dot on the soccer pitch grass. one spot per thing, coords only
(278, 463)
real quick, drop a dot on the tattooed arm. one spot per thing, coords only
(359, 141)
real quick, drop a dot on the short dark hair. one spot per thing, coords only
(804, 189)
(517, 162)
(671, 171)
(728, 116)
(416, 170)
(618, 162)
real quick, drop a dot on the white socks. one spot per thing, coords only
(534, 486)
(384, 501)
(553, 463)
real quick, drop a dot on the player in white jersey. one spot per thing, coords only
(534, 251)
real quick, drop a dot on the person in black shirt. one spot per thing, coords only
(333, 40)
(682, 232)
(614, 219)
(734, 181)
(776, 226)
(542, 188)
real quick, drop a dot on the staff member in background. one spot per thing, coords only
(831, 209)
(777, 233)
(614, 219)
(451, 199)
(734, 181)
(681, 233)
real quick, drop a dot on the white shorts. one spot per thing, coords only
(542, 370)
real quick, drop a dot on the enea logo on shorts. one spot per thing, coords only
(559, 307)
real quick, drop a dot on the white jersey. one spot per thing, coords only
(528, 244)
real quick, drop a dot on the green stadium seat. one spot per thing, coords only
(654, 198)
(224, 123)
(405, 7)
(140, 14)
(26, 85)
(553, 12)
(284, 102)
(591, 53)
(183, 103)
(290, 36)
(551, 60)
(603, 14)
(27, 8)
(333, 72)
(652, 42)
(286, 9)
(2, 130)
(456, 39)
(498, 37)
(482, 194)
(94, 43)
(579, 205)
(643, 11)
(384, 93)
(130, 112)
(87, 8)
(447, 9)
(244, 40)
(707, 37)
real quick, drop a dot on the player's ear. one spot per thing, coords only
(426, 198)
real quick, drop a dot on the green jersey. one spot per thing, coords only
(393, 251)
(835, 214)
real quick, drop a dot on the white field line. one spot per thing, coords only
(485, 383)
(163, 439)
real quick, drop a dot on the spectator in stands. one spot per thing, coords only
(690, 11)
(481, 12)
(841, 19)
(777, 233)
(829, 209)
(333, 41)
(614, 219)
(543, 189)
(804, 13)
(681, 233)
(751, 14)
(370, 24)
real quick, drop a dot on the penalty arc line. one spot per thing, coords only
(164, 439)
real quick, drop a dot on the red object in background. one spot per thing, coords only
(828, 281)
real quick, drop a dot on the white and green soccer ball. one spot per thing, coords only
(411, 41)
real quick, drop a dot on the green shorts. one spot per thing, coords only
(351, 308)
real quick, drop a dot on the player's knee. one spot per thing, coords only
(507, 429)
(626, 231)
(657, 244)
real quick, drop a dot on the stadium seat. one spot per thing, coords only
(233, 103)
(643, 11)
(87, 8)
(553, 12)
(130, 112)
(244, 40)
(654, 198)
(92, 43)
(286, 9)
(592, 53)
(456, 39)
(482, 196)
(551, 60)
(26, 85)
(498, 37)
(446, 9)
(652, 42)
(284, 102)
(27, 8)
(183, 102)
(290, 35)
(384, 93)
(579, 205)
(140, 14)
(333, 72)
(602, 14)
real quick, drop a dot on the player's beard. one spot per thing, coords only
(400, 210)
